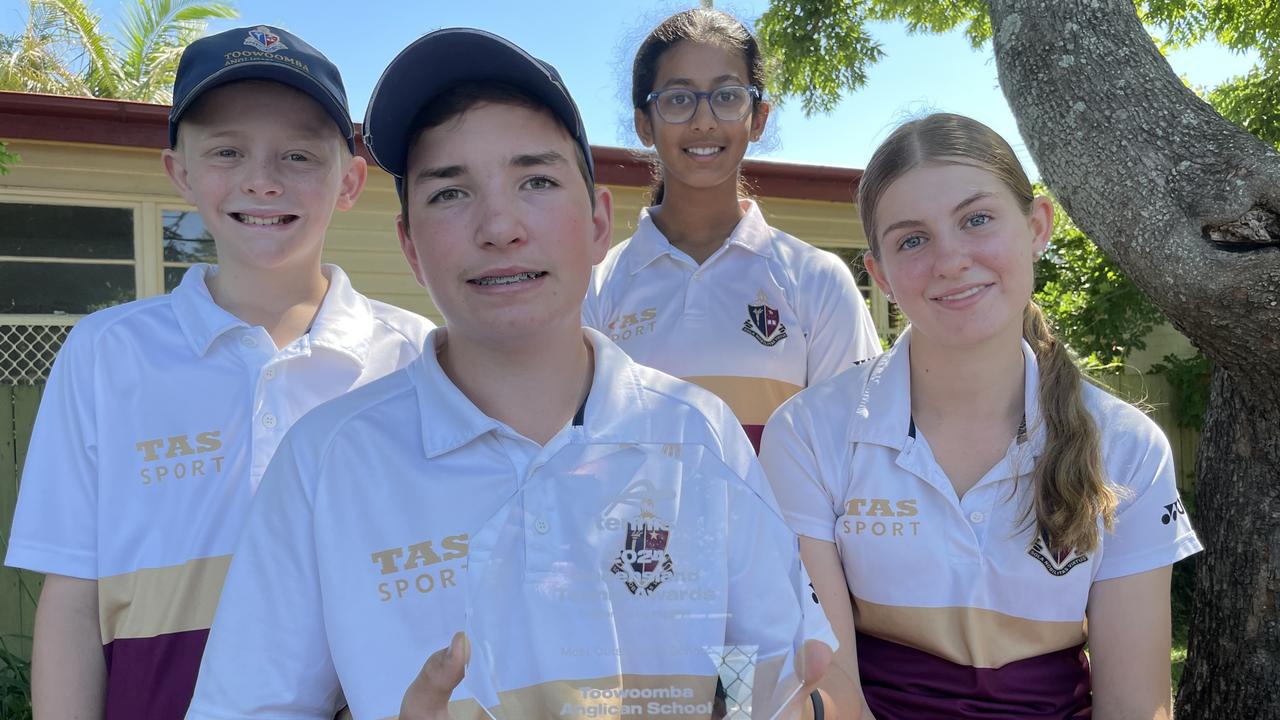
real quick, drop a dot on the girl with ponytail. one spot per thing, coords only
(705, 290)
(966, 502)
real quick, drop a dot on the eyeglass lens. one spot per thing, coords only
(729, 103)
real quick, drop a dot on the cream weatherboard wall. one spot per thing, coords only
(361, 240)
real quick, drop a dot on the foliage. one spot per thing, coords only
(6, 159)
(817, 52)
(1189, 378)
(1093, 306)
(1252, 101)
(822, 49)
(15, 686)
(64, 50)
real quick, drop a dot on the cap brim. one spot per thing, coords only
(439, 61)
(276, 72)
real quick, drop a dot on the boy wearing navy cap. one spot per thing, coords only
(160, 415)
(355, 560)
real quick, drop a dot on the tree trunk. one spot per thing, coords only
(1231, 670)
(1187, 204)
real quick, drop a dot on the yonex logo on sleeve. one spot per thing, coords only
(1172, 511)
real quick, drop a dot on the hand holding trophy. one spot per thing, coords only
(631, 580)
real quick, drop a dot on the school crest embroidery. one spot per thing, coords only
(644, 564)
(262, 38)
(764, 323)
(1057, 563)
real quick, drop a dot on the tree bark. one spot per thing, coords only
(1231, 670)
(1188, 205)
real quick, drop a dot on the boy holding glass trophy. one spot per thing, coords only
(601, 531)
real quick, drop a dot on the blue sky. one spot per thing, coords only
(591, 43)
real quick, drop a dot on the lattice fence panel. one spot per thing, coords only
(27, 351)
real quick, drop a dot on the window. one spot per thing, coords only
(65, 259)
(889, 321)
(186, 241)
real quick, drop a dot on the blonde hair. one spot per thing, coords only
(1070, 491)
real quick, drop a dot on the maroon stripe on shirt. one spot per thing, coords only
(753, 433)
(152, 678)
(902, 683)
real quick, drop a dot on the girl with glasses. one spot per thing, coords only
(705, 290)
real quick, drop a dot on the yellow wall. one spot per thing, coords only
(362, 241)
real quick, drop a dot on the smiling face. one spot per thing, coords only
(266, 166)
(956, 253)
(500, 229)
(705, 151)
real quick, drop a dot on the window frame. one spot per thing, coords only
(158, 219)
(145, 239)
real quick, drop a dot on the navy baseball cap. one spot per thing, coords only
(443, 59)
(259, 53)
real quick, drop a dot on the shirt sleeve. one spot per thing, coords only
(789, 453)
(268, 654)
(835, 315)
(1152, 528)
(55, 525)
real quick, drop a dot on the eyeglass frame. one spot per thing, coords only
(699, 96)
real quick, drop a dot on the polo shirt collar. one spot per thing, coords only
(344, 322)
(202, 320)
(884, 405)
(450, 420)
(648, 243)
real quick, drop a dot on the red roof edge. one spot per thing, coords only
(29, 116)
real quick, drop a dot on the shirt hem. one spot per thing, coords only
(1186, 546)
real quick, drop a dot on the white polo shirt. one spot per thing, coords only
(156, 425)
(763, 317)
(959, 607)
(352, 568)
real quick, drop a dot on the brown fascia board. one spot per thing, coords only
(29, 116)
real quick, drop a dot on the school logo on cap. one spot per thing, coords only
(1059, 562)
(262, 38)
(644, 564)
(764, 323)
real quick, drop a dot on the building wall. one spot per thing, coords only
(362, 241)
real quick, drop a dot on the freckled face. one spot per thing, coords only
(266, 167)
(956, 253)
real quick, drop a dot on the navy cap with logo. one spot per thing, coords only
(259, 53)
(441, 60)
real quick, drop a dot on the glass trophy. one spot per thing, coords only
(631, 580)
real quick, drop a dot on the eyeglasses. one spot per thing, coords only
(729, 103)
